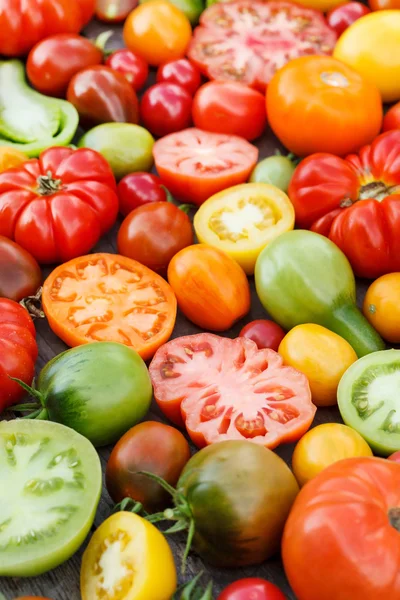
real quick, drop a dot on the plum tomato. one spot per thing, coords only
(20, 274)
(391, 120)
(265, 333)
(252, 588)
(224, 389)
(152, 447)
(182, 72)
(344, 15)
(166, 108)
(138, 189)
(131, 65)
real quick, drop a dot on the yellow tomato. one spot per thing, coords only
(9, 158)
(382, 306)
(127, 559)
(323, 357)
(323, 446)
(372, 47)
(243, 219)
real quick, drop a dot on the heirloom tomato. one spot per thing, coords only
(391, 120)
(131, 65)
(58, 206)
(166, 108)
(10, 158)
(344, 15)
(266, 334)
(312, 103)
(139, 189)
(182, 72)
(343, 524)
(382, 306)
(20, 275)
(356, 202)
(251, 588)
(114, 11)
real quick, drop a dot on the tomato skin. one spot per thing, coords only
(381, 306)
(20, 274)
(9, 158)
(131, 65)
(152, 447)
(266, 334)
(395, 457)
(114, 11)
(391, 120)
(182, 72)
(139, 189)
(166, 108)
(253, 587)
(344, 15)
(383, 4)
(230, 107)
(87, 10)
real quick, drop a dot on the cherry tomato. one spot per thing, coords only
(383, 4)
(251, 589)
(166, 108)
(344, 15)
(181, 72)
(392, 118)
(265, 333)
(395, 456)
(114, 11)
(20, 274)
(138, 189)
(131, 65)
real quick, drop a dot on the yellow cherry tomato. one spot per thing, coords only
(323, 357)
(323, 446)
(127, 559)
(372, 47)
(9, 158)
(243, 219)
(382, 306)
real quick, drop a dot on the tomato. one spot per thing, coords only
(324, 445)
(166, 108)
(115, 564)
(254, 588)
(383, 4)
(356, 202)
(249, 40)
(342, 16)
(20, 275)
(395, 457)
(10, 158)
(191, 8)
(182, 72)
(153, 233)
(266, 334)
(195, 164)
(87, 10)
(305, 99)
(106, 297)
(391, 120)
(351, 502)
(55, 60)
(58, 206)
(276, 170)
(18, 351)
(372, 47)
(152, 447)
(157, 31)
(139, 189)
(114, 11)
(131, 65)
(382, 306)
(53, 475)
(211, 288)
(243, 219)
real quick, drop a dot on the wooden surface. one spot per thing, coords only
(63, 582)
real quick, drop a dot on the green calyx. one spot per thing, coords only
(33, 304)
(35, 410)
(191, 591)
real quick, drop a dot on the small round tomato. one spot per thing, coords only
(114, 11)
(131, 65)
(138, 189)
(157, 31)
(10, 158)
(276, 170)
(382, 306)
(265, 333)
(383, 4)
(166, 108)
(191, 8)
(344, 15)
(395, 457)
(152, 234)
(230, 107)
(391, 120)
(152, 447)
(252, 588)
(182, 72)
(20, 274)
(324, 445)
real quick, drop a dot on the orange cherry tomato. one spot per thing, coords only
(157, 31)
(392, 118)
(384, 4)
(382, 306)
(9, 158)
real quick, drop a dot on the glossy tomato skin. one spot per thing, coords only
(20, 274)
(114, 11)
(265, 333)
(230, 107)
(254, 588)
(9, 158)
(391, 120)
(87, 10)
(344, 15)
(181, 72)
(166, 108)
(131, 65)
(384, 4)
(152, 447)
(138, 189)
(382, 306)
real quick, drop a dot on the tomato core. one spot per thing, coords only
(375, 190)
(47, 185)
(394, 517)
(234, 225)
(335, 79)
(116, 573)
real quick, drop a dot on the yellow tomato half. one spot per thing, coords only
(372, 47)
(243, 219)
(323, 446)
(323, 357)
(127, 559)
(9, 158)
(382, 306)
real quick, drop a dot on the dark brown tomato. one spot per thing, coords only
(20, 274)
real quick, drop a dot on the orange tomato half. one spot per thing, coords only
(382, 306)
(9, 158)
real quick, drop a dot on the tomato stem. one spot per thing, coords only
(185, 592)
(394, 517)
(130, 505)
(33, 415)
(101, 41)
(47, 185)
(25, 407)
(31, 391)
(186, 208)
(30, 302)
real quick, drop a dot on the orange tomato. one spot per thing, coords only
(382, 306)
(384, 4)
(211, 288)
(9, 158)
(157, 31)
(392, 118)
(319, 104)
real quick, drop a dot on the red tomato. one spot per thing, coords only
(131, 65)
(194, 164)
(391, 120)
(58, 206)
(251, 589)
(87, 10)
(166, 108)
(227, 389)
(114, 11)
(266, 334)
(356, 202)
(182, 72)
(138, 189)
(344, 15)
(18, 351)
(249, 40)
(20, 275)
(395, 456)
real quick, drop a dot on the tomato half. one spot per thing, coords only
(382, 306)
(251, 588)
(194, 164)
(107, 297)
(20, 275)
(391, 120)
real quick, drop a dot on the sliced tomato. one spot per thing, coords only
(195, 164)
(224, 389)
(107, 297)
(250, 40)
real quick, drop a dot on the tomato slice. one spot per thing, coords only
(250, 40)
(107, 297)
(195, 164)
(225, 389)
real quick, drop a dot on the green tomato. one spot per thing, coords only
(50, 488)
(276, 170)
(191, 8)
(127, 147)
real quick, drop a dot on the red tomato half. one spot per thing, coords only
(194, 164)
(224, 389)
(252, 588)
(344, 15)
(391, 120)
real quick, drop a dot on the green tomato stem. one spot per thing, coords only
(34, 415)
(186, 208)
(31, 391)
(101, 41)
(43, 415)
